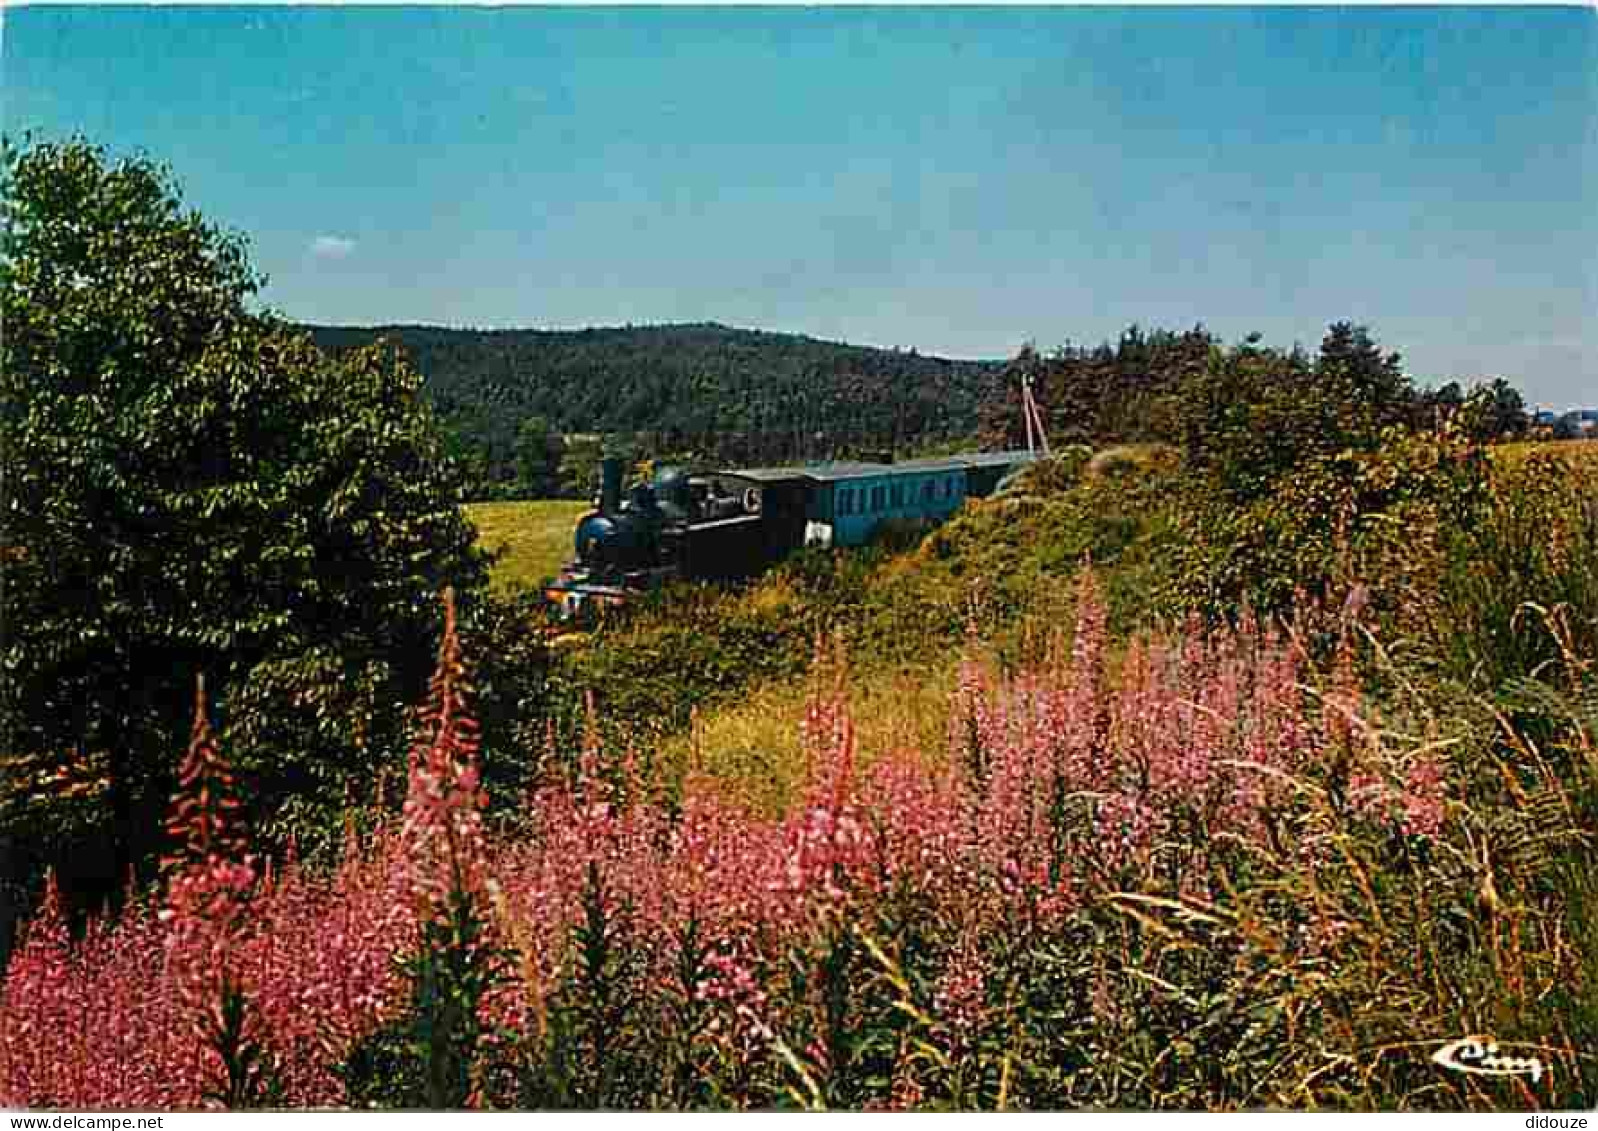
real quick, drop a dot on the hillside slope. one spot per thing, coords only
(740, 394)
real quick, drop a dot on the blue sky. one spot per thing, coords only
(955, 180)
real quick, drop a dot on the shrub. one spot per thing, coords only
(1519, 586)
(1376, 518)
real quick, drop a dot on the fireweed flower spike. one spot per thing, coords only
(443, 824)
(211, 883)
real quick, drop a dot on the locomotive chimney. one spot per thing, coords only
(609, 485)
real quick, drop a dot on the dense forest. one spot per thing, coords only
(729, 395)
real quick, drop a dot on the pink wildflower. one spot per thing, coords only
(1423, 799)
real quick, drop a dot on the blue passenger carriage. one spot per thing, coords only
(850, 501)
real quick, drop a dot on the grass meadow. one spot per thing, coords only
(534, 538)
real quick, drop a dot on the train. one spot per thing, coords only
(711, 525)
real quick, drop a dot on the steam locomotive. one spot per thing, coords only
(725, 525)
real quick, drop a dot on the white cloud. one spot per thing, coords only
(332, 247)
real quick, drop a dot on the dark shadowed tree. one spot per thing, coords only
(1495, 410)
(1435, 407)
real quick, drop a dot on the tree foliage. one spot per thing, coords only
(1255, 413)
(1495, 410)
(192, 488)
(539, 452)
(1099, 395)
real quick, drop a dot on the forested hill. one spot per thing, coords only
(704, 387)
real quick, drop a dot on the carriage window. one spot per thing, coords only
(954, 486)
(898, 494)
(879, 495)
(926, 489)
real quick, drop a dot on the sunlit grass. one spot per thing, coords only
(1578, 453)
(536, 537)
(752, 747)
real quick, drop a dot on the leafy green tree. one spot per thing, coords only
(1371, 384)
(1247, 417)
(1495, 410)
(1253, 414)
(458, 426)
(192, 488)
(538, 452)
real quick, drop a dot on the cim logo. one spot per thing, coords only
(1480, 1057)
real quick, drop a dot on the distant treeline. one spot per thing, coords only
(727, 395)
(1187, 388)
(524, 410)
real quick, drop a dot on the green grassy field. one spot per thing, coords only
(536, 537)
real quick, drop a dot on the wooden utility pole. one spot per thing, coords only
(1034, 418)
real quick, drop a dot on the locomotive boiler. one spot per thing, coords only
(676, 526)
